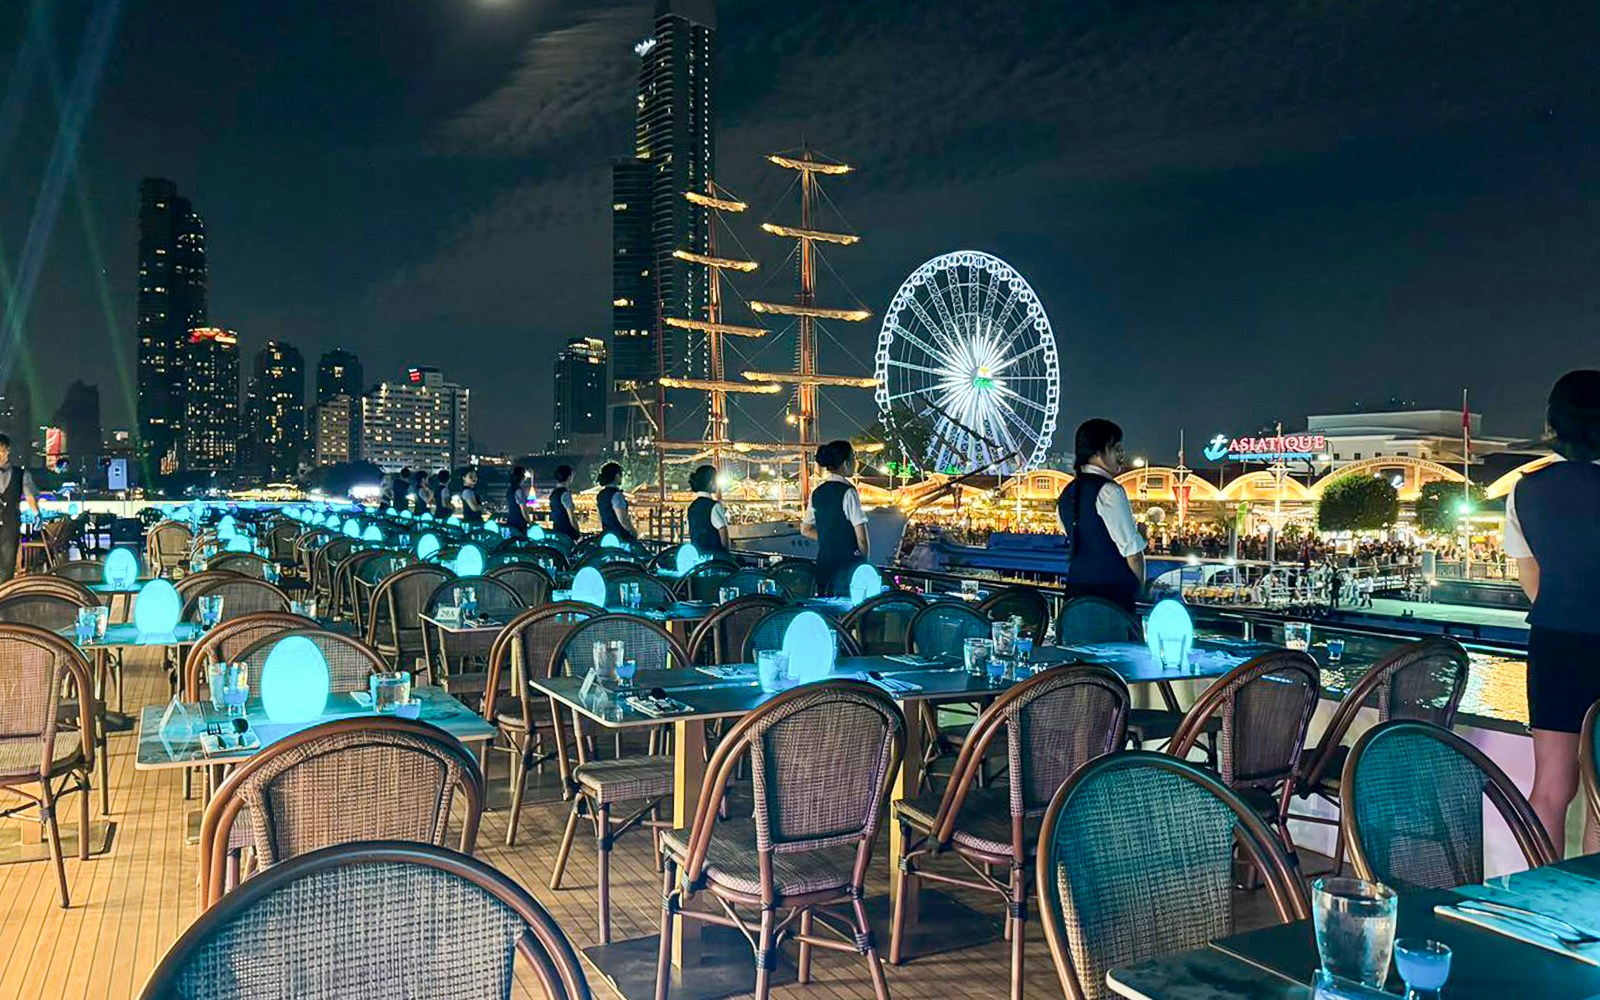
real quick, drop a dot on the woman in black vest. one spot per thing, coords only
(706, 519)
(612, 504)
(441, 496)
(1105, 552)
(834, 516)
(517, 501)
(563, 518)
(421, 495)
(1552, 529)
(471, 506)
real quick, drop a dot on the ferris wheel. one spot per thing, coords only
(968, 376)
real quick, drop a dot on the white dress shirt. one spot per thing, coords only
(852, 503)
(1114, 509)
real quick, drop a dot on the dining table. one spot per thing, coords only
(726, 692)
(1281, 962)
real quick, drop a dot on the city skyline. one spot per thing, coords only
(1226, 263)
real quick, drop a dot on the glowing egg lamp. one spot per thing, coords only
(352, 528)
(1169, 620)
(227, 527)
(610, 541)
(427, 545)
(238, 543)
(372, 534)
(536, 532)
(469, 561)
(74, 509)
(406, 515)
(427, 515)
(688, 558)
(331, 521)
(865, 582)
(809, 642)
(294, 681)
(589, 587)
(453, 519)
(391, 512)
(157, 608)
(121, 569)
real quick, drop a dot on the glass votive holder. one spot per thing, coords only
(727, 594)
(389, 690)
(1424, 965)
(1335, 649)
(1297, 635)
(772, 668)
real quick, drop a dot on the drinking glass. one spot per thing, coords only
(1297, 635)
(772, 666)
(102, 619)
(1354, 922)
(768, 587)
(727, 594)
(1170, 648)
(997, 670)
(625, 671)
(975, 655)
(469, 601)
(1424, 965)
(84, 626)
(271, 573)
(1335, 649)
(217, 684)
(969, 589)
(1024, 651)
(389, 690)
(237, 690)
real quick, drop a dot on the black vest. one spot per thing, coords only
(471, 513)
(560, 520)
(11, 501)
(1559, 510)
(419, 502)
(516, 513)
(1094, 566)
(608, 514)
(702, 534)
(441, 501)
(836, 536)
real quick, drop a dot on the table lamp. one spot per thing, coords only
(688, 558)
(469, 561)
(1169, 620)
(865, 582)
(157, 608)
(810, 644)
(294, 681)
(121, 569)
(589, 587)
(427, 545)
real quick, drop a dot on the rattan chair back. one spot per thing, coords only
(608, 557)
(881, 625)
(1264, 706)
(392, 619)
(37, 667)
(1136, 861)
(351, 662)
(241, 595)
(494, 596)
(532, 584)
(167, 544)
(647, 644)
(720, 636)
(244, 563)
(748, 581)
(280, 540)
(1412, 813)
(1088, 620)
(1019, 602)
(81, 571)
(48, 610)
(768, 632)
(944, 626)
(46, 583)
(529, 643)
(797, 577)
(653, 594)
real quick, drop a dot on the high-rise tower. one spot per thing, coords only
(211, 417)
(172, 301)
(277, 405)
(339, 373)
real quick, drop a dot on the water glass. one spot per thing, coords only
(997, 670)
(727, 594)
(1424, 965)
(210, 611)
(969, 590)
(217, 684)
(1297, 635)
(768, 587)
(469, 602)
(389, 690)
(1335, 649)
(608, 656)
(84, 626)
(1024, 651)
(1170, 649)
(271, 573)
(305, 609)
(1003, 638)
(975, 655)
(1354, 922)
(772, 669)
(102, 620)
(237, 689)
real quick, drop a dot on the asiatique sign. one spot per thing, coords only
(1277, 448)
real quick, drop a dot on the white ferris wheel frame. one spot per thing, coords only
(960, 349)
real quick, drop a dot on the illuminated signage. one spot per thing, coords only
(415, 375)
(1277, 448)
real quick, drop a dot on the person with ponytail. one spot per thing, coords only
(1552, 530)
(706, 520)
(1105, 552)
(834, 516)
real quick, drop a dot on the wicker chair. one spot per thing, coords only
(48, 610)
(768, 632)
(325, 564)
(608, 557)
(1049, 725)
(1419, 680)
(324, 926)
(495, 597)
(346, 596)
(1022, 602)
(1262, 709)
(797, 577)
(943, 626)
(748, 581)
(351, 662)
(280, 540)
(364, 778)
(393, 625)
(45, 583)
(703, 582)
(39, 760)
(881, 625)
(167, 545)
(547, 555)
(821, 757)
(597, 785)
(364, 582)
(244, 563)
(653, 594)
(720, 636)
(227, 640)
(1413, 809)
(1086, 621)
(529, 643)
(241, 595)
(305, 549)
(532, 584)
(1135, 861)
(81, 571)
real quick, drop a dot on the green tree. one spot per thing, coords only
(1438, 507)
(1358, 503)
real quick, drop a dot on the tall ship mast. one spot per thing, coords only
(805, 378)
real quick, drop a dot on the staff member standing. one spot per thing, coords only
(834, 516)
(1552, 529)
(517, 501)
(563, 518)
(16, 490)
(613, 504)
(441, 496)
(1105, 552)
(706, 519)
(471, 506)
(421, 495)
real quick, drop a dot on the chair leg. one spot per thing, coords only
(105, 777)
(83, 820)
(766, 957)
(519, 778)
(566, 842)
(47, 815)
(909, 883)
(664, 954)
(869, 949)
(1017, 918)
(804, 976)
(602, 828)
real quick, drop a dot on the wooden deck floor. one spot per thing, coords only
(130, 904)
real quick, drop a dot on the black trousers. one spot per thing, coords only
(9, 537)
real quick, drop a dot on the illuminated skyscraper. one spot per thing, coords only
(277, 410)
(580, 393)
(420, 422)
(674, 152)
(339, 374)
(172, 301)
(211, 412)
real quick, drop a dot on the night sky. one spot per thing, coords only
(1233, 211)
